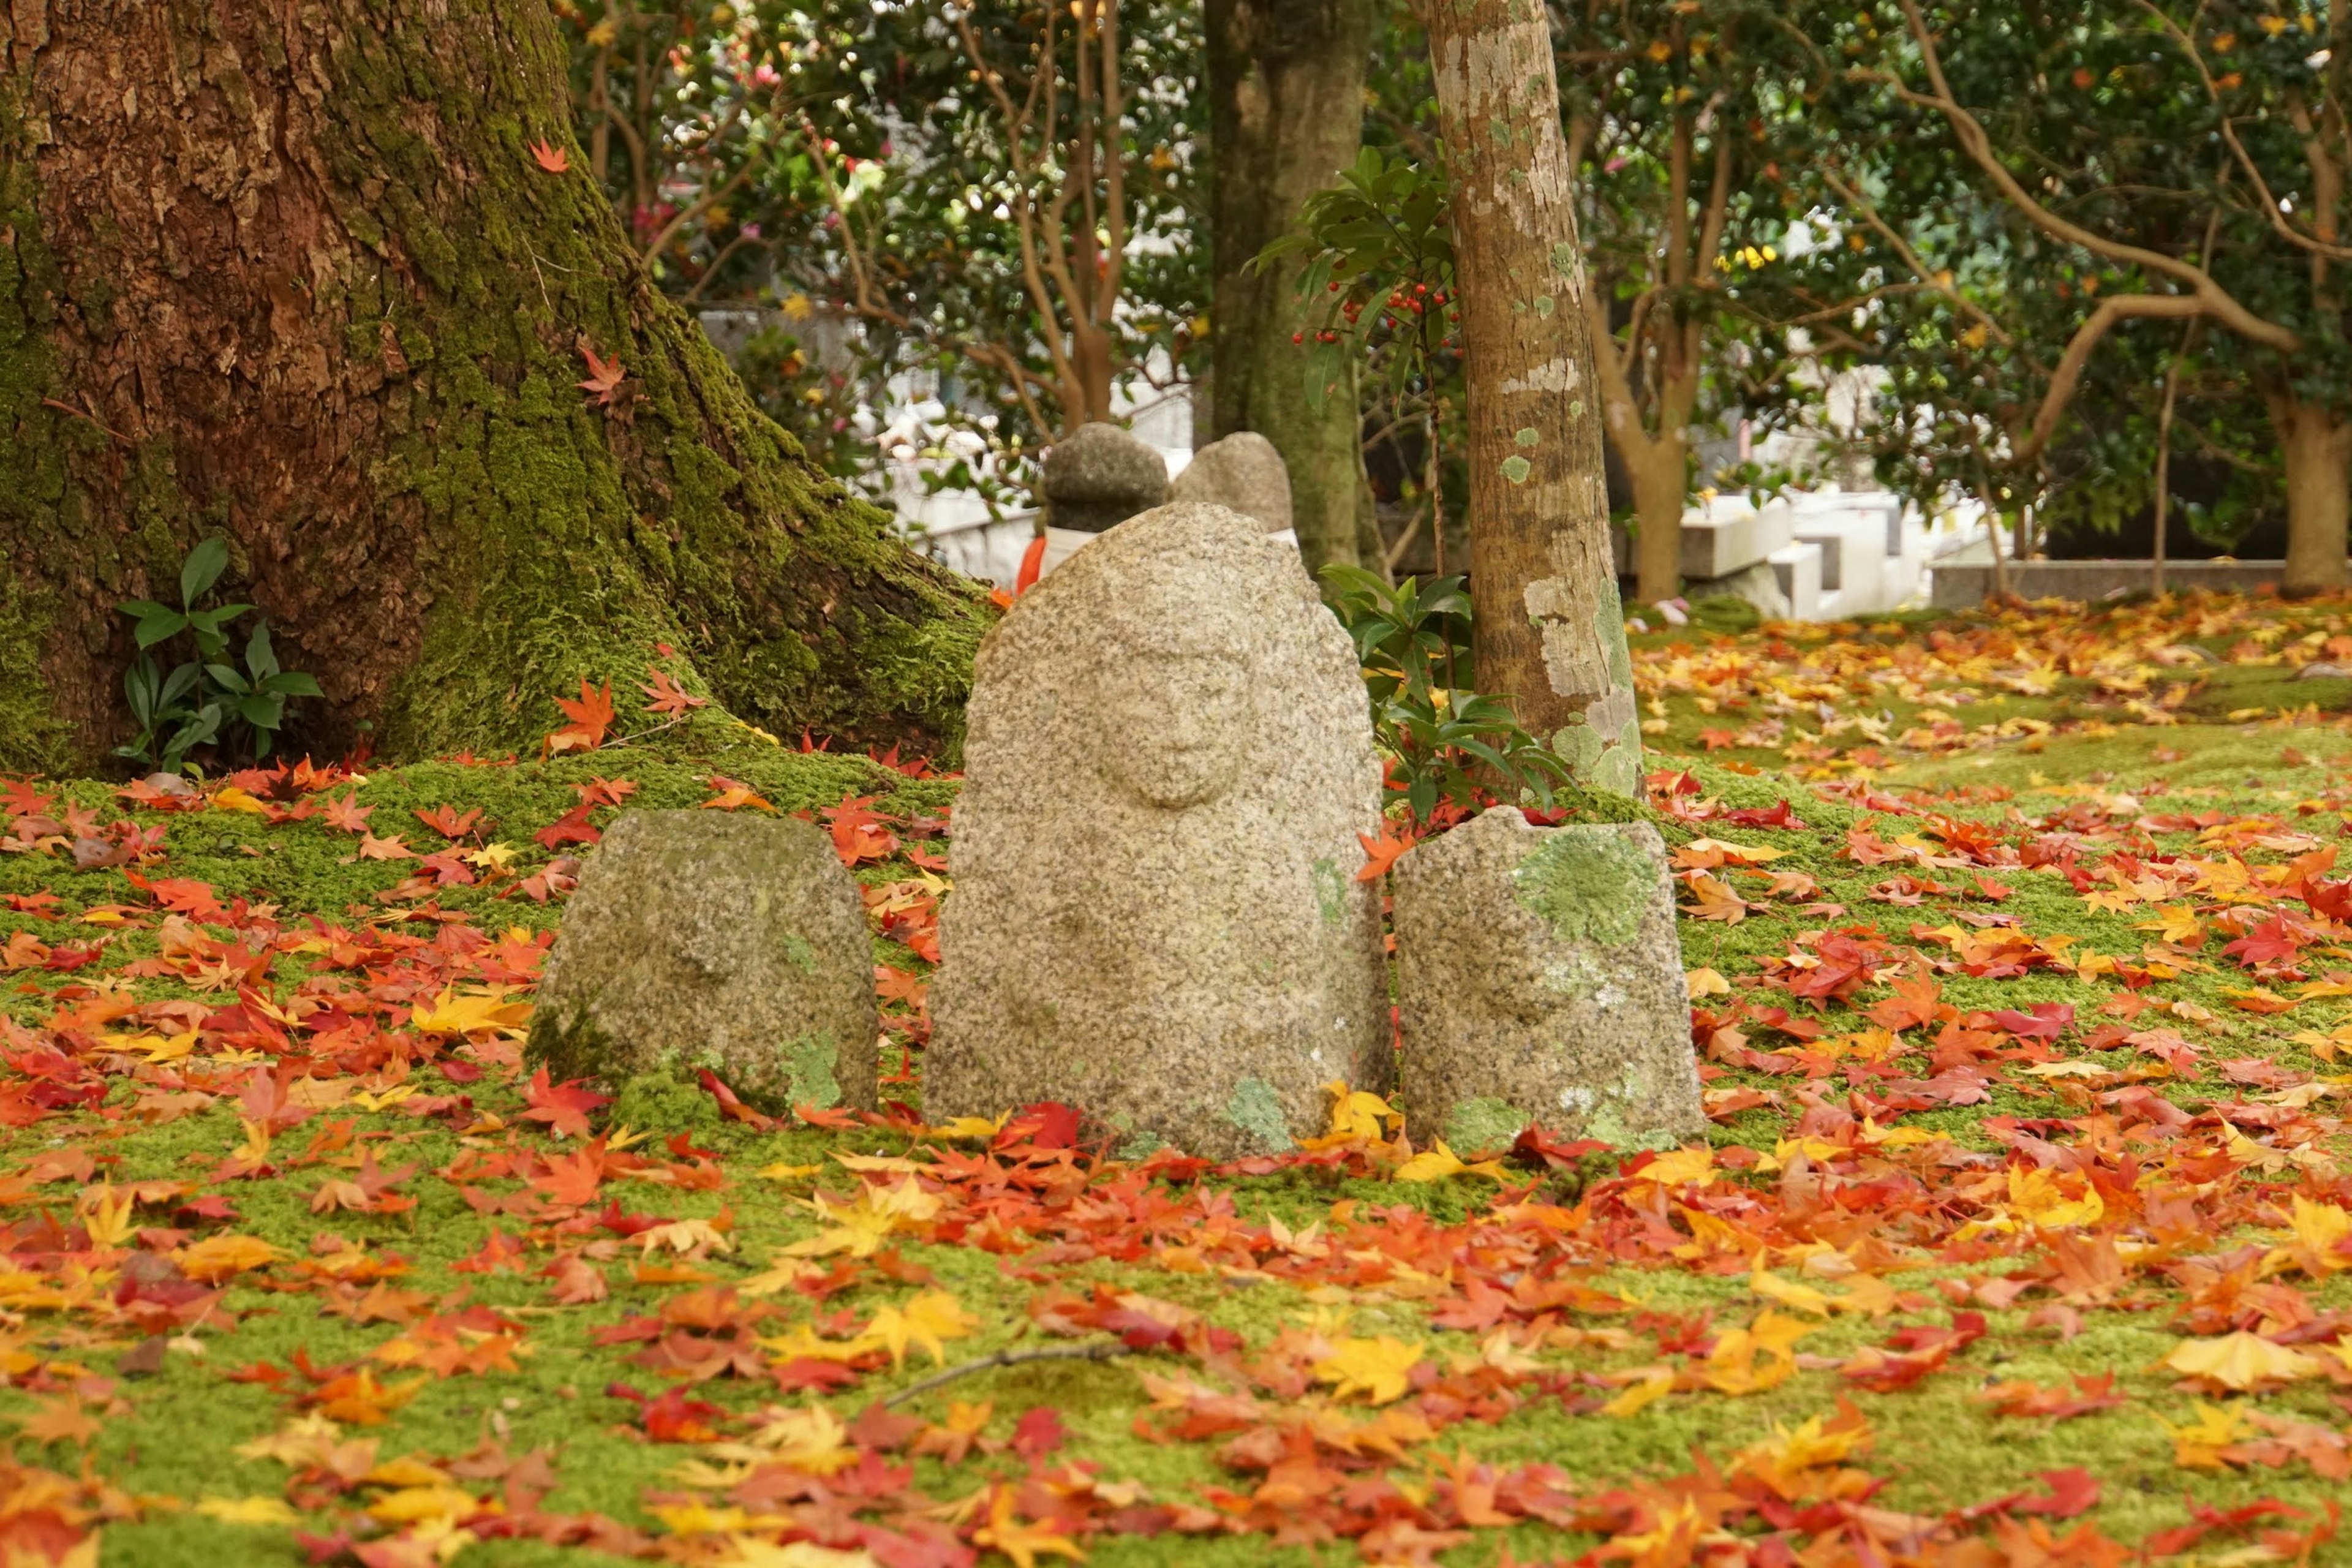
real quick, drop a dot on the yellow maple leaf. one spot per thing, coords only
(2239, 1361)
(451, 1014)
(811, 1440)
(1731, 1367)
(1375, 1368)
(859, 1227)
(247, 1510)
(1438, 1161)
(1679, 1167)
(1703, 983)
(215, 1257)
(108, 1217)
(228, 797)
(930, 1317)
(1657, 1382)
(1021, 1543)
(1357, 1113)
(2196, 1445)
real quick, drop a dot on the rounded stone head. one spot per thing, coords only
(1176, 718)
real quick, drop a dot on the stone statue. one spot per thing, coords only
(1242, 471)
(1156, 917)
(1539, 979)
(713, 939)
(1100, 475)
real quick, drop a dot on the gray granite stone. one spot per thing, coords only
(1242, 471)
(1098, 476)
(724, 939)
(1539, 980)
(1156, 919)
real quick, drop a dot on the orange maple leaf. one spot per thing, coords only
(605, 376)
(1381, 853)
(734, 795)
(670, 698)
(552, 159)
(1716, 901)
(591, 717)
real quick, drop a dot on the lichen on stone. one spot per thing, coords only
(809, 1063)
(1587, 886)
(1483, 1125)
(1257, 1112)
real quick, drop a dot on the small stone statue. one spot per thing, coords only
(1539, 980)
(709, 939)
(1098, 476)
(1156, 917)
(1242, 471)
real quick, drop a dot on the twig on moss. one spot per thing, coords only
(1105, 1350)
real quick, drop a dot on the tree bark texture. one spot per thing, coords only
(289, 271)
(1549, 632)
(2317, 443)
(1286, 85)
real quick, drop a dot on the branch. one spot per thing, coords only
(1939, 281)
(2069, 374)
(2216, 301)
(1105, 1350)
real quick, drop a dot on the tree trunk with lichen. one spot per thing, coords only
(289, 271)
(1286, 113)
(1549, 632)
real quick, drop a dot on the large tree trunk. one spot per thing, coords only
(1550, 633)
(288, 270)
(2316, 442)
(1285, 116)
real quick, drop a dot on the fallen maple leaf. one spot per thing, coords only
(669, 697)
(590, 716)
(564, 1108)
(605, 376)
(1381, 853)
(554, 160)
(930, 1318)
(2239, 1361)
(1377, 1369)
(1021, 1543)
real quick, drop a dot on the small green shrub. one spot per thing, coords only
(207, 700)
(1411, 642)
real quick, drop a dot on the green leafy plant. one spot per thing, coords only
(209, 699)
(1443, 741)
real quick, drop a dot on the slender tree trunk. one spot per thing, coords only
(1659, 467)
(1550, 632)
(289, 271)
(2316, 442)
(1285, 116)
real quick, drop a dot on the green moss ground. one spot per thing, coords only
(1935, 1445)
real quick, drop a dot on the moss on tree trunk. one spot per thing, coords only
(1286, 85)
(289, 271)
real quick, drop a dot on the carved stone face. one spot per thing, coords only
(1176, 723)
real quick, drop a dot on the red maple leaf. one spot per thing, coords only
(591, 717)
(858, 834)
(554, 159)
(605, 376)
(564, 1107)
(2273, 941)
(444, 821)
(572, 827)
(670, 697)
